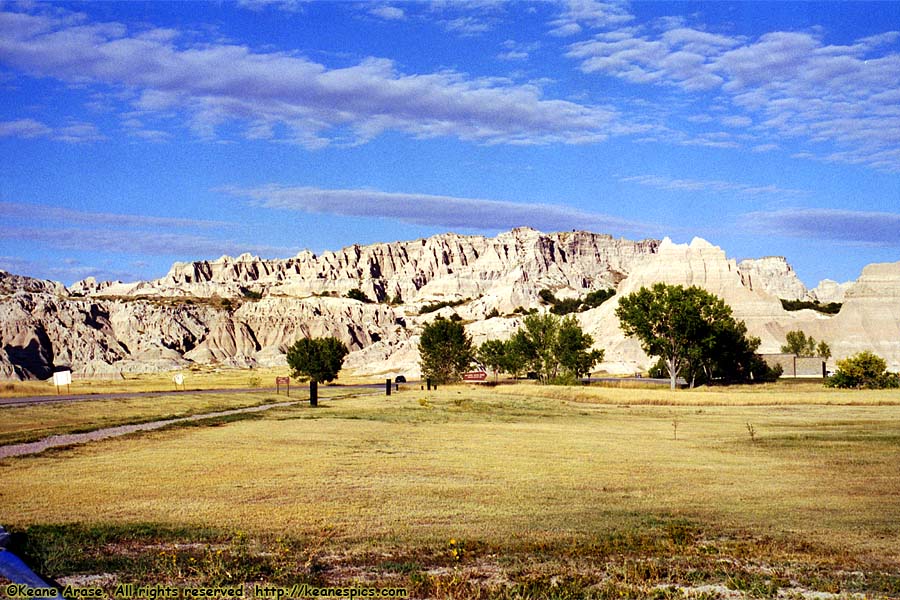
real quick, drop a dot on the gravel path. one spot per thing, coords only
(55, 441)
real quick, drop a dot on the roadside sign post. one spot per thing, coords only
(179, 380)
(61, 378)
(475, 376)
(283, 381)
(387, 387)
(313, 392)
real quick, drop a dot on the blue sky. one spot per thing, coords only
(134, 134)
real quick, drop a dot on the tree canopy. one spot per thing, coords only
(865, 370)
(554, 346)
(445, 351)
(797, 342)
(318, 359)
(693, 332)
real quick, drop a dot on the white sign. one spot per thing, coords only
(62, 378)
(178, 379)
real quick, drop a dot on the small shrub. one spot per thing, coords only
(430, 308)
(865, 370)
(250, 294)
(358, 294)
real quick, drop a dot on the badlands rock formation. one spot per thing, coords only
(772, 274)
(246, 311)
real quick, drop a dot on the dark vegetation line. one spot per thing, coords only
(830, 308)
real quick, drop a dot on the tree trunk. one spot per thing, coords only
(673, 373)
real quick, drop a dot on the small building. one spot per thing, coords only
(797, 366)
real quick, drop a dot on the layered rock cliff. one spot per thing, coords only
(246, 311)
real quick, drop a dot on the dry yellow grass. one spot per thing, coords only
(503, 465)
(34, 422)
(200, 377)
(779, 393)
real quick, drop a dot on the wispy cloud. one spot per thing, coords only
(148, 243)
(69, 271)
(24, 128)
(842, 101)
(118, 235)
(217, 84)
(431, 210)
(388, 13)
(577, 15)
(860, 227)
(20, 212)
(73, 133)
(286, 5)
(712, 186)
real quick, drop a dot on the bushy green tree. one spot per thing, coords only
(692, 331)
(445, 350)
(517, 354)
(492, 354)
(865, 370)
(318, 359)
(797, 342)
(573, 348)
(553, 346)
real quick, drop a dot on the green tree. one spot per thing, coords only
(492, 354)
(573, 348)
(552, 346)
(445, 351)
(865, 370)
(689, 328)
(318, 359)
(538, 340)
(797, 343)
(518, 353)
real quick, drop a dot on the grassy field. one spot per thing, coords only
(199, 377)
(509, 492)
(29, 423)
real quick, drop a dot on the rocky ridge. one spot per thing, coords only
(246, 311)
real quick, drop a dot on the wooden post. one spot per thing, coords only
(313, 392)
(387, 387)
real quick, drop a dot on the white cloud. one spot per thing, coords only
(73, 133)
(24, 128)
(579, 14)
(467, 25)
(712, 186)
(843, 100)
(388, 13)
(217, 84)
(431, 210)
